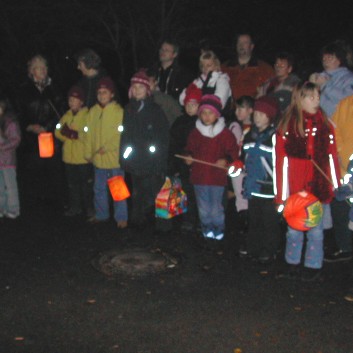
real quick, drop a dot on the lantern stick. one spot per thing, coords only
(200, 161)
(322, 172)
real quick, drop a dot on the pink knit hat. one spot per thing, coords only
(212, 102)
(140, 77)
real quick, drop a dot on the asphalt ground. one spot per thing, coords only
(52, 298)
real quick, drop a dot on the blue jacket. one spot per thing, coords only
(339, 86)
(257, 151)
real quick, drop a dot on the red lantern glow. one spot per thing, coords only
(118, 188)
(46, 145)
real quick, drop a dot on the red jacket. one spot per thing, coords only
(294, 167)
(223, 145)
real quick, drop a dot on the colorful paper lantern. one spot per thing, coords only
(118, 188)
(46, 145)
(303, 211)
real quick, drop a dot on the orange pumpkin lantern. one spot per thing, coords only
(118, 188)
(46, 145)
(303, 211)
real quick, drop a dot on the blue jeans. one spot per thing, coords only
(9, 201)
(211, 211)
(314, 252)
(101, 195)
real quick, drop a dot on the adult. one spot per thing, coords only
(336, 81)
(282, 84)
(212, 80)
(172, 78)
(89, 63)
(41, 107)
(246, 72)
(169, 105)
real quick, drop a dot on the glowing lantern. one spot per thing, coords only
(118, 188)
(303, 211)
(46, 145)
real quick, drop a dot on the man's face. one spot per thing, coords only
(166, 53)
(282, 68)
(244, 45)
(330, 62)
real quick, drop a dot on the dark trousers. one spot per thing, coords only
(264, 230)
(340, 219)
(80, 186)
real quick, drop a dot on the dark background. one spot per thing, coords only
(127, 33)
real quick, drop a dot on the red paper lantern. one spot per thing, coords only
(303, 211)
(118, 188)
(46, 145)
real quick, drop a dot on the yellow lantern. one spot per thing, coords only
(46, 145)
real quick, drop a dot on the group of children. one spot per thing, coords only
(277, 161)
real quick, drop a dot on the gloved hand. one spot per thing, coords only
(69, 133)
(235, 168)
(342, 192)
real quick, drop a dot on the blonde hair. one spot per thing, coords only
(295, 111)
(33, 62)
(209, 55)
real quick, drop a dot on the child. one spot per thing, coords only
(102, 143)
(179, 134)
(243, 113)
(212, 142)
(264, 231)
(70, 131)
(144, 147)
(304, 137)
(10, 138)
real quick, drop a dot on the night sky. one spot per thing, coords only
(127, 33)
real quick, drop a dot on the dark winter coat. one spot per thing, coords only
(145, 126)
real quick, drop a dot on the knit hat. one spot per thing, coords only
(142, 78)
(192, 93)
(77, 92)
(107, 83)
(212, 102)
(267, 105)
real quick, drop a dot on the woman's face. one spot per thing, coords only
(39, 71)
(208, 116)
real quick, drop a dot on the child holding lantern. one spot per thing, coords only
(212, 142)
(70, 130)
(144, 147)
(102, 143)
(306, 160)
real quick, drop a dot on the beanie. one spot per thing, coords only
(107, 83)
(212, 102)
(142, 78)
(192, 93)
(267, 105)
(77, 92)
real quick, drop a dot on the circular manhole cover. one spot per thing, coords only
(133, 262)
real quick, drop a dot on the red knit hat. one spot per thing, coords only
(192, 93)
(267, 105)
(142, 78)
(77, 92)
(212, 102)
(107, 83)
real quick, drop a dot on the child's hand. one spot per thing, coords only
(101, 150)
(188, 160)
(222, 163)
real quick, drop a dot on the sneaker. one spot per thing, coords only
(121, 224)
(349, 295)
(311, 274)
(338, 256)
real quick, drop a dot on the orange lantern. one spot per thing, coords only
(46, 145)
(118, 188)
(303, 211)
